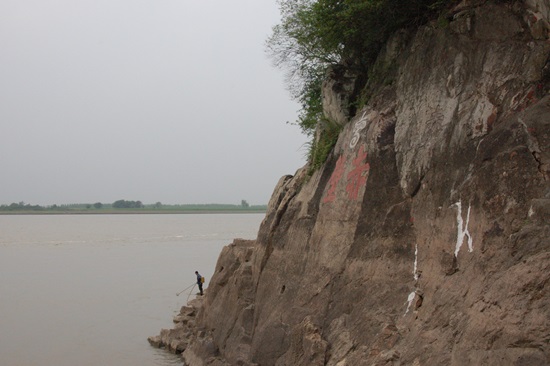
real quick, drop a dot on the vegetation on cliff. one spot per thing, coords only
(316, 35)
(424, 239)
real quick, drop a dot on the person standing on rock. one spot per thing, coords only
(200, 281)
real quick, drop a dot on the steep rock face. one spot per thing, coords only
(425, 238)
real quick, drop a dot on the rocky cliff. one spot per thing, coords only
(425, 238)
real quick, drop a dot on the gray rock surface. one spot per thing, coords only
(425, 238)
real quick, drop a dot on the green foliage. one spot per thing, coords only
(316, 34)
(312, 106)
(320, 148)
(294, 46)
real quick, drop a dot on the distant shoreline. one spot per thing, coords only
(129, 212)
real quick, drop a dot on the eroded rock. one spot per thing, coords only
(424, 239)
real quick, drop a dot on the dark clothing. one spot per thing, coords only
(199, 282)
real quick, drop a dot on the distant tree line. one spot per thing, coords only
(127, 204)
(21, 206)
(133, 205)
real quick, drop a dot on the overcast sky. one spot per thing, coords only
(152, 100)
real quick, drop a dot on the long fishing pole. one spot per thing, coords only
(190, 293)
(179, 293)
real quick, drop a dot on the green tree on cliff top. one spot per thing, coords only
(314, 35)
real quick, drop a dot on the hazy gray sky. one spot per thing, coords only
(152, 100)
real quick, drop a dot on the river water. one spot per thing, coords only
(88, 290)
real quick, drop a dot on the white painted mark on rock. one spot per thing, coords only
(357, 128)
(415, 270)
(462, 229)
(409, 301)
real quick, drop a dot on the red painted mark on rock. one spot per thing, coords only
(355, 179)
(334, 179)
(359, 175)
